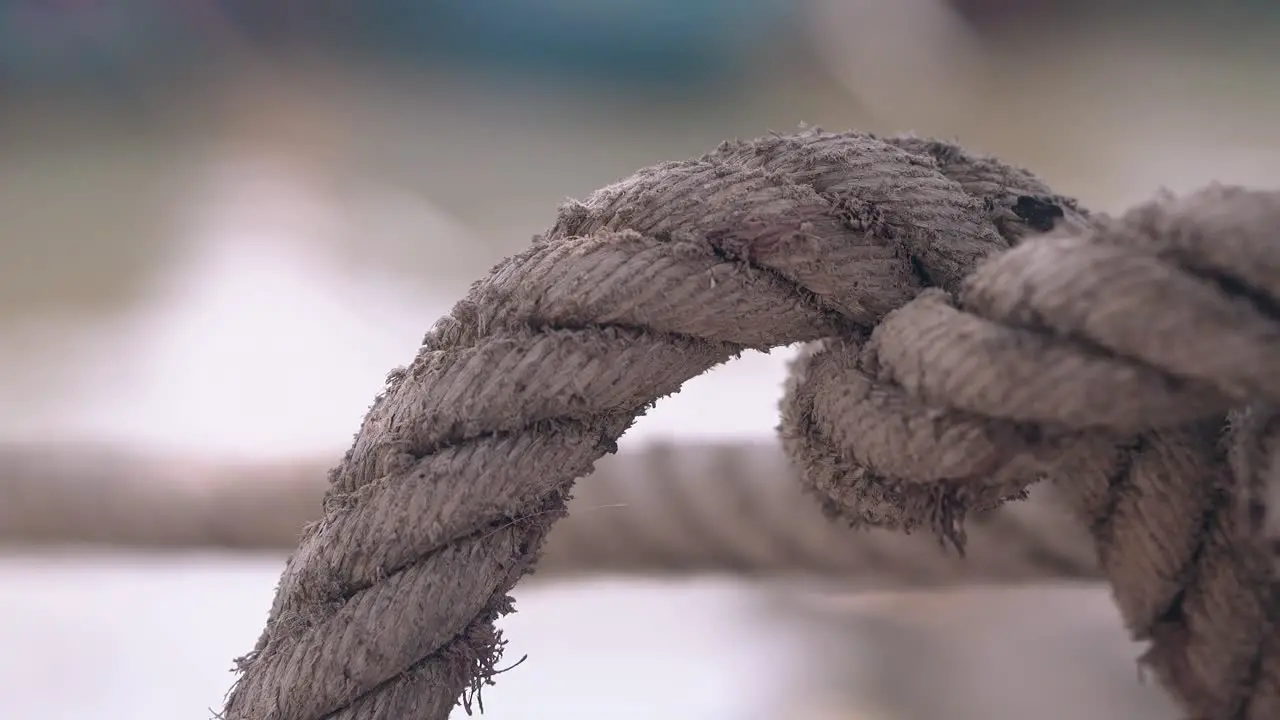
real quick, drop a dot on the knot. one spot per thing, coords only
(1106, 361)
(971, 332)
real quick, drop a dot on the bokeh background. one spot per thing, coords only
(223, 221)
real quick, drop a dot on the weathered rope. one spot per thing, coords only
(661, 509)
(959, 361)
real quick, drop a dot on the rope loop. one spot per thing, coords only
(968, 331)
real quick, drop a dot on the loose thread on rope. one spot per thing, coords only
(970, 334)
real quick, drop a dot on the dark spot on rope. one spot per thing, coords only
(921, 273)
(1038, 213)
(1257, 513)
(609, 445)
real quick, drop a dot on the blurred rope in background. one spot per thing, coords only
(734, 509)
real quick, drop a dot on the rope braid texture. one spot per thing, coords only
(972, 333)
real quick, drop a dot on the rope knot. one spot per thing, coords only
(1107, 361)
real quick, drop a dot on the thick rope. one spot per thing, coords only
(723, 508)
(959, 361)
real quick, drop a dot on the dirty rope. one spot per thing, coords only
(971, 333)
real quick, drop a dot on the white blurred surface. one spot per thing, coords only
(125, 637)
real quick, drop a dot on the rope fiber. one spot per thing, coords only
(969, 333)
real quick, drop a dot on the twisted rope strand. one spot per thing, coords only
(932, 391)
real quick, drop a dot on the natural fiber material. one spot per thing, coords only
(961, 358)
(660, 509)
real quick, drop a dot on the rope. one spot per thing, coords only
(739, 509)
(661, 509)
(61, 494)
(973, 334)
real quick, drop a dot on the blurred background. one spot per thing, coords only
(223, 221)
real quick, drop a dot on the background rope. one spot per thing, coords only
(54, 494)
(1068, 357)
(661, 509)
